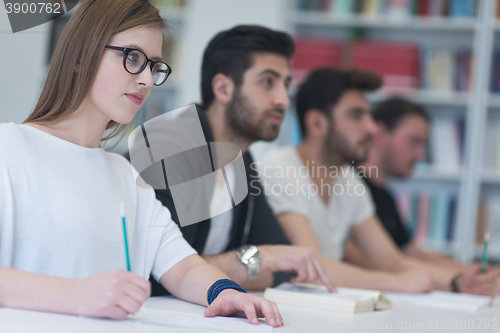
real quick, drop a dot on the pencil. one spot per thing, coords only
(485, 252)
(122, 213)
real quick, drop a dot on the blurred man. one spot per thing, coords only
(402, 130)
(321, 202)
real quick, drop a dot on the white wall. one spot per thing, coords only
(205, 18)
(23, 67)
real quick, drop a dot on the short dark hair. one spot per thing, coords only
(231, 53)
(323, 88)
(393, 110)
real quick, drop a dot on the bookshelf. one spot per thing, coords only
(429, 98)
(299, 18)
(475, 106)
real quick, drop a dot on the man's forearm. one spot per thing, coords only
(346, 275)
(262, 281)
(441, 276)
(229, 263)
(441, 260)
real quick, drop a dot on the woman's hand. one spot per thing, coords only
(232, 302)
(114, 294)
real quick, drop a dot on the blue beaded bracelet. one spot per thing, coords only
(220, 285)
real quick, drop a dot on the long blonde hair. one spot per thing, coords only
(81, 46)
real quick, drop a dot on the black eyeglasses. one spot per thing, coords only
(134, 62)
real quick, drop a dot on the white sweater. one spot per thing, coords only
(60, 210)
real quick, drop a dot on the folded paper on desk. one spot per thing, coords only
(198, 321)
(348, 300)
(444, 300)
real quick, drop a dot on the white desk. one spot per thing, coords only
(409, 318)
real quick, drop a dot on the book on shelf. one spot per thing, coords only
(341, 8)
(391, 9)
(489, 220)
(495, 75)
(447, 141)
(446, 70)
(428, 217)
(399, 9)
(491, 147)
(371, 7)
(347, 300)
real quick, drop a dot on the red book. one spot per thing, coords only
(424, 204)
(425, 8)
(397, 63)
(313, 53)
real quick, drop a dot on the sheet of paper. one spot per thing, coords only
(443, 300)
(198, 321)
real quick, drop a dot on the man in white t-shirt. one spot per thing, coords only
(320, 200)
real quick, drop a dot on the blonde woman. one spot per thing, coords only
(61, 242)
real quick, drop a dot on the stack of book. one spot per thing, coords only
(312, 53)
(446, 70)
(347, 300)
(397, 63)
(405, 67)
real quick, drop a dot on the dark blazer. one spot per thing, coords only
(253, 221)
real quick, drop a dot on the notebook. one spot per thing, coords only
(444, 300)
(347, 300)
(198, 321)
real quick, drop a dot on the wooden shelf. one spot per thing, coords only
(380, 22)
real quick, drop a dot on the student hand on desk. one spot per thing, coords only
(472, 281)
(114, 294)
(290, 258)
(232, 302)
